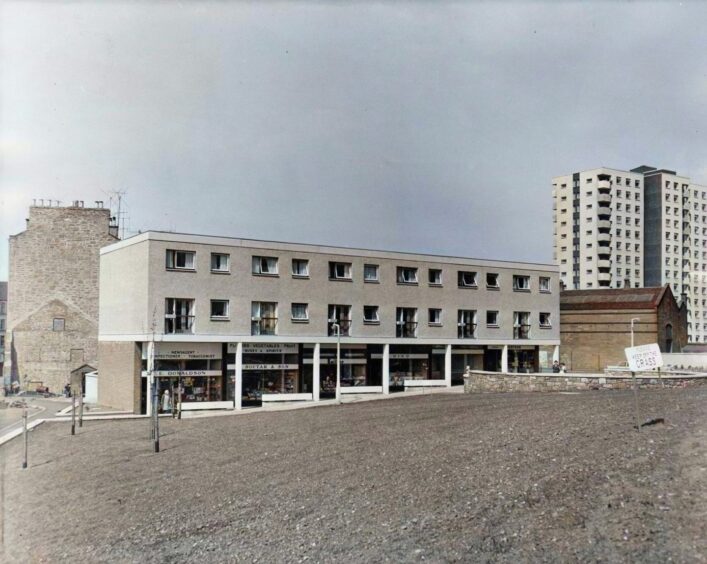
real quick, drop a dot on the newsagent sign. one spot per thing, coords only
(645, 357)
(184, 351)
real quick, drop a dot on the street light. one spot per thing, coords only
(338, 361)
(632, 320)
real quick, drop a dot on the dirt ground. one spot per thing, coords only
(493, 477)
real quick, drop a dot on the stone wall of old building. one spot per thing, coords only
(120, 375)
(675, 316)
(52, 321)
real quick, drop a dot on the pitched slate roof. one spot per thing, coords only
(613, 298)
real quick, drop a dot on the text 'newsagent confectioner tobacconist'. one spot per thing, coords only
(239, 322)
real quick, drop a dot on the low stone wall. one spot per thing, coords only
(478, 381)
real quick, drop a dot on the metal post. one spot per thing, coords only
(635, 401)
(338, 362)
(662, 384)
(24, 432)
(157, 418)
(179, 411)
(81, 407)
(73, 413)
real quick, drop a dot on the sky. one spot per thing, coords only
(422, 127)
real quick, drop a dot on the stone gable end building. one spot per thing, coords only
(52, 321)
(595, 325)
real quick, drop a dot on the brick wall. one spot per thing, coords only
(54, 274)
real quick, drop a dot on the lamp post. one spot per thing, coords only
(632, 321)
(338, 360)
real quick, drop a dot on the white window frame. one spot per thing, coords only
(227, 267)
(544, 284)
(172, 259)
(367, 268)
(265, 266)
(256, 310)
(547, 325)
(303, 306)
(371, 320)
(304, 274)
(334, 270)
(407, 275)
(498, 283)
(225, 317)
(496, 323)
(462, 282)
(437, 282)
(184, 312)
(519, 287)
(434, 322)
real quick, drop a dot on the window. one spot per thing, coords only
(521, 283)
(492, 319)
(370, 273)
(300, 313)
(263, 318)
(435, 277)
(340, 271)
(492, 278)
(545, 320)
(466, 279)
(466, 324)
(407, 275)
(544, 283)
(57, 324)
(265, 266)
(339, 315)
(521, 325)
(220, 262)
(300, 268)
(434, 316)
(219, 309)
(370, 314)
(179, 315)
(180, 260)
(406, 322)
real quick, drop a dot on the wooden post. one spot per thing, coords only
(24, 432)
(635, 401)
(73, 413)
(81, 407)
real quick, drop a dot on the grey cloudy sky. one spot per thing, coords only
(425, 127)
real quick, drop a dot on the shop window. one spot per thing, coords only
(492, 278)
(340, 271)
(434, 316)
(300, 313)
(300, 268)
(370, 273)
(58, 324)
(544, 284)
(179, 316)
(180, 260)
(339, 315)
(220, 262)
(406, 322)
(466, 324)
(263, 318)
(407, 275)
(370, 315)
(545, 320)
(521, 283)
(219, 310)
(466, 279)
(265, 266)
(521, 325)
(435, 277)
(492, 318)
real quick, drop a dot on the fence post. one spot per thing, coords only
(635, 401)
(24, 432)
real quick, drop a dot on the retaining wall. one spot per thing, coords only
(478, 381)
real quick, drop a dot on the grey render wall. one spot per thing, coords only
(241, 287)
(653, 228)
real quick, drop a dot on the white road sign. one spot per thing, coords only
(645, 357)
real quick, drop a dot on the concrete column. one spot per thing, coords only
(316, 371)
(448, 366)
(504, 359)
(386, 369)
(238, 392)
(556, 354)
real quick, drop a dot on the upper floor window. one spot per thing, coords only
(265, 265)
(370, 314)
(466, 324)
(180, 260)
(179, 315)
(220, 310)
(340, 270)
(406, 322)
(492, 277)
(466, 279)
(370, 273)
(300, 312)
(220, 262)
(435, 277)
(521, 325)
(544, 284)
(263, 319)
(521, 283)
(434, 316)
(339, 315)
(300, 268)
(545, 320)
(407, 275)
(58, 324)
(492, 318)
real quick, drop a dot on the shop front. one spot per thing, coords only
(358, 373)
(415, 365)
(196, 368)
(473, 357)
(523, 358)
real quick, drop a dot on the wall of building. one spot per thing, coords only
(119, 377)
(54, 267)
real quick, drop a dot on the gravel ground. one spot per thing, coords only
(493, 477)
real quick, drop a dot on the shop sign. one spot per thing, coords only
(270, 366)
(184, 351)
(403, 356)
(181, 373)
(521, 348)
(467, 351)
(266, 348)
(495, 347)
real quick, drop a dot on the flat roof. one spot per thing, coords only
(168, 236)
